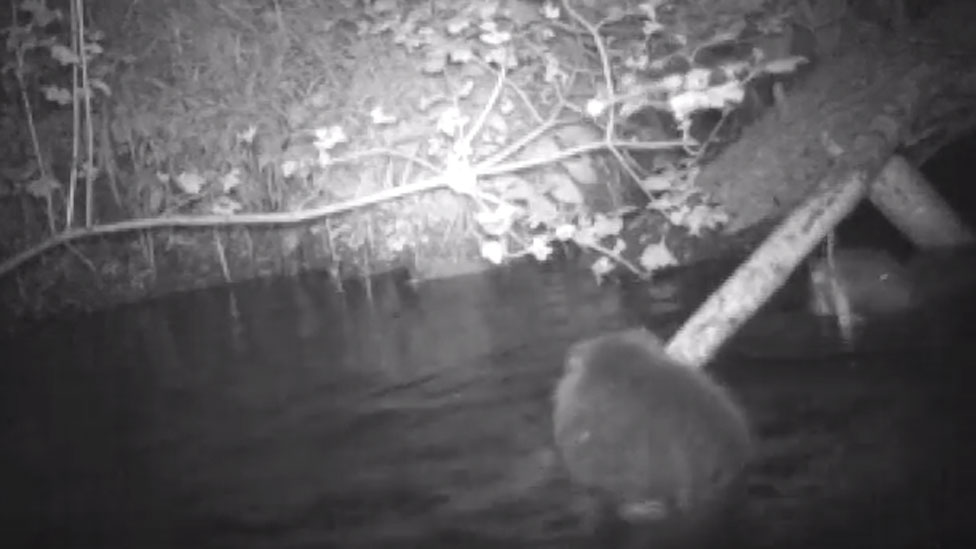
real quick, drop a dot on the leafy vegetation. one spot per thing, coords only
(359, 135)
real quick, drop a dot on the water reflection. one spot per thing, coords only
(284, 415)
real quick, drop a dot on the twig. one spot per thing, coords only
(69, 215)
(604, 63)
(520, 165)
(89, 130)
(149, 250)
(35, 140)
(335, 267)
(222, 256)
(352, 157)
(81, 257)
(616, 257)
(463, 146)
(221, 220)
(608, 132)
(511, 149)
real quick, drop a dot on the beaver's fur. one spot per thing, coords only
(643, 436)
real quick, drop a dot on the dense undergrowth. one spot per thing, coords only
(359, 136)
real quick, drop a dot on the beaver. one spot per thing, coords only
(646, 439)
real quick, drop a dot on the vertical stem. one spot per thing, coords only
(89, 131)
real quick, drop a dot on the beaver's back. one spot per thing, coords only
(636, 427)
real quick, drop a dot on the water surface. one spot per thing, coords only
(284, 415)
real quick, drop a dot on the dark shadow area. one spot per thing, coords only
(949, 171)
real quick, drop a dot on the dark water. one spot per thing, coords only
(286, 416)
